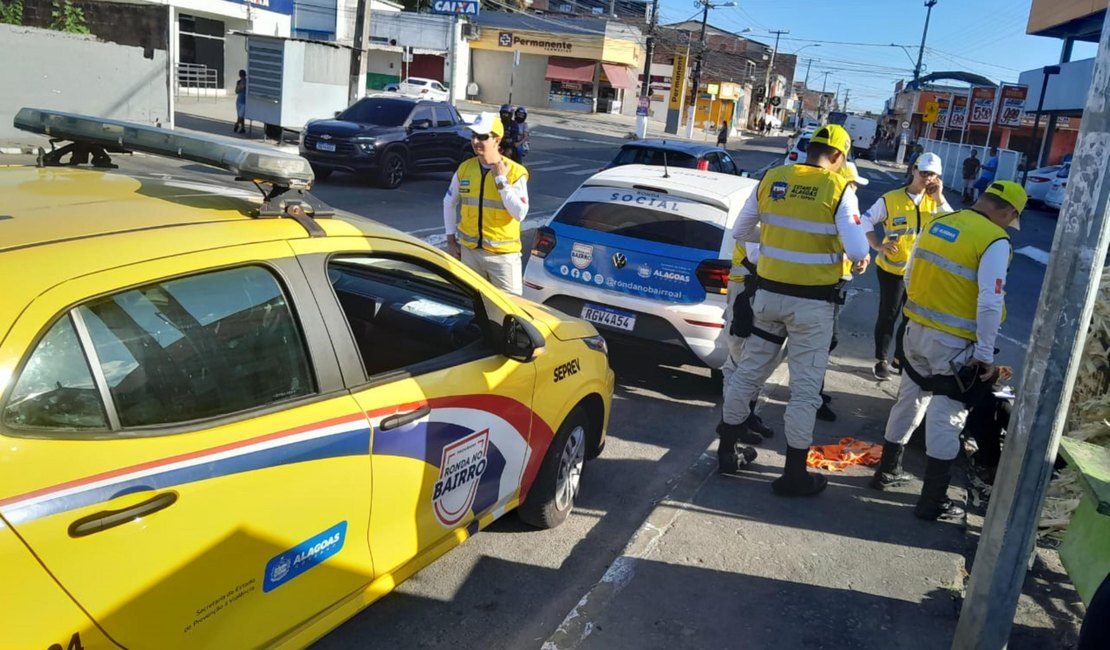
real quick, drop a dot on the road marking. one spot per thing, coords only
(439, 239)
(1034, 253)
(584, 172)
(563, 137)
(553, 169)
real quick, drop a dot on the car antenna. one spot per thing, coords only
(666, 172)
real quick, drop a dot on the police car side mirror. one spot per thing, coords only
(521, 341)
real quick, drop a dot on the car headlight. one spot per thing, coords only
(365, 144)
(597, 344)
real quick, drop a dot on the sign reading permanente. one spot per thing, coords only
(508, 39)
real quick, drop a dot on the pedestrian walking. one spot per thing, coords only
(805, 218)
(722, 135)
(762, 125)
(241, 102)
(955, 285)
(493, 192)
(969, 173)
(903, 212)
(986, 177)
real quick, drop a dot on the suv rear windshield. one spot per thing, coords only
(380, 111)
(643, 223)
(646, 156)
(802, 144)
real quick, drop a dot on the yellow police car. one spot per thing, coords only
(230, 420)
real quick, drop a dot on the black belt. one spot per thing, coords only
(833, 293)
(945, 385)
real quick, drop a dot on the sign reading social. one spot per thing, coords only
(459, 7)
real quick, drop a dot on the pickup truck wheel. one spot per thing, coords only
(392, 171)
(560, 477)
(320, 173)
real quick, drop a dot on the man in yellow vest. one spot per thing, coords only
(805, 218)
(904, 212)
(955, 305)
(493, 191)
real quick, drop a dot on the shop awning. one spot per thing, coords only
(562, 69)
(618, 76)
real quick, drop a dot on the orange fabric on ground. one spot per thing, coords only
(838, 457)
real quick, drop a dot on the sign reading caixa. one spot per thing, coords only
(520, 42)
(460, 7)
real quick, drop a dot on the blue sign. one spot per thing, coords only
(302, 557)
(276, 6)
(459, 7)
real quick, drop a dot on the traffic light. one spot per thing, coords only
(760, 94)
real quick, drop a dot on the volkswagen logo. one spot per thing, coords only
(619, 260)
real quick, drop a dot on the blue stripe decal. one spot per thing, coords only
(350, 443)
(623, 243)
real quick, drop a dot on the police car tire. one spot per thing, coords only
(541, 507)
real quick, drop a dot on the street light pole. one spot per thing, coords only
(1048, 71)
(645, 87)
(929, 4)
(696, 80)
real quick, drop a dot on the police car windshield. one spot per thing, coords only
(662, 226)
(379, 111)
(647, 156)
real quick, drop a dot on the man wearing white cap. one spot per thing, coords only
(904, 212)
(956, 303)
(493, 191)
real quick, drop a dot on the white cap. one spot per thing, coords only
(851, 172)
(487, 122)
(929, 162)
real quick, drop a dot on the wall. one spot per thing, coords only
(382, 67)
(78, 74)
(144, 26)
(490, 72)
(1044, 14)
(1066, 91)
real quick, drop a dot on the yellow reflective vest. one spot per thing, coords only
(904, 222)
(943, 291)
(484, 221)
(799, 244)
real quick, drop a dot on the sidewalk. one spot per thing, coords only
(722, 563)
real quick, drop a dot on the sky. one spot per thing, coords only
(982, 36)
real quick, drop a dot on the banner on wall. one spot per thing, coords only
(943, 112)
(1011, 105)
(982, 105)
(957, 114)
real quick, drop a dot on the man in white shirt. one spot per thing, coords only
(955, 285)
(493, 191)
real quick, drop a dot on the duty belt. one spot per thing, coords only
(833, 293)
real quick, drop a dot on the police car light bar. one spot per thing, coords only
(250, 161)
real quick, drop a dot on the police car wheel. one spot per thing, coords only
(560, 477)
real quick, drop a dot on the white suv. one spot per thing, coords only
(645, 252)
(420, 87)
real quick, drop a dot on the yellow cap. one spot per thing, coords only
(1009, 192)
(849, 171)
(835, 136)
(487, 122)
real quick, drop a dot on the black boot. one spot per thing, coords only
(731, 455)
(755, 423)
(795, 480)
(890, 474)
(934, 502)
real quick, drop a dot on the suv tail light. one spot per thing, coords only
(713, 275)
(544, 242)
(703, 165)
(793, 155)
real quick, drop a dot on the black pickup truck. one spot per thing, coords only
(387, 138)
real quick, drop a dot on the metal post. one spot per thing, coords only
(1048, 71)
(821, 102)
(847, 91)
(645, 87)
(357, 86)
(693, 109)
(929, 4)
(1051, 364)
(770, 68)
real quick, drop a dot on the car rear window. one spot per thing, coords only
(646, 156)
(380, 111)
(802, 144)
(1064, 171)
(647, 216)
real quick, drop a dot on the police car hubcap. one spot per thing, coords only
(570, 468)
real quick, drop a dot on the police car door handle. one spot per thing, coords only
(394, 421)
(106, 519)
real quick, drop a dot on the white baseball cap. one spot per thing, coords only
(487, 122)
(851, 173)
(929, 162)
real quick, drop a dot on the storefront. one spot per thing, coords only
(585, 65)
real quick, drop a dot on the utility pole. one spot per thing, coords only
(770, 68)
(821, 103)
(1051, 364)
(356, 88)
(929, 4)
(645, 87)
(696, 80)
(836, 98)
(847, 91)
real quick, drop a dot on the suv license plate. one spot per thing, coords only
(325, 146)
(612, 317)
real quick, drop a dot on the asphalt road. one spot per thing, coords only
(511, 586)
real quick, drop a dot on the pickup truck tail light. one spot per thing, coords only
(703, 165)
